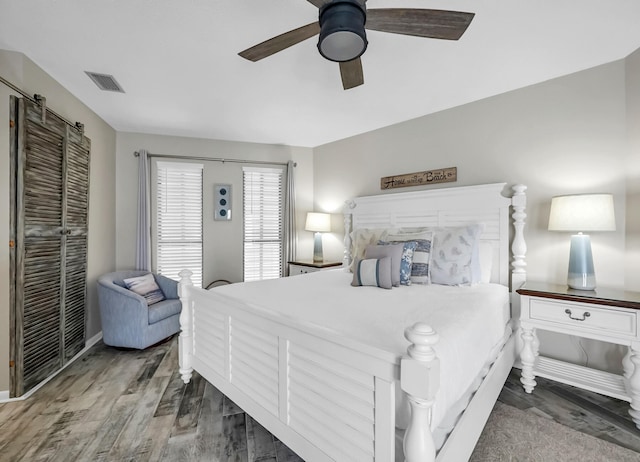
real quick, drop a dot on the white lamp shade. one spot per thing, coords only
(318, 222)
(583, 212)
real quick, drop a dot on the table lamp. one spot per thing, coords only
(581, 213)
(318, 223)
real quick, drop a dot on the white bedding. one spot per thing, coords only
(470, 320)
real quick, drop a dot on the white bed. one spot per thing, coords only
(324, 366)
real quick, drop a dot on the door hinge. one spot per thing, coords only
(12, 124)
(12, 243)
(12, 364)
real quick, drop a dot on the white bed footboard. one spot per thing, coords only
(326, 397)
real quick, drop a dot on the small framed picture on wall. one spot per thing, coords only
(222, 204)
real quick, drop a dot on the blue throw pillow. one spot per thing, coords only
(406, 261)
(420, 265)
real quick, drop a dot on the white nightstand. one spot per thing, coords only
(608, 315)
(304, 267)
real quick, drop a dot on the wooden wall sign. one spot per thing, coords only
(443, 175)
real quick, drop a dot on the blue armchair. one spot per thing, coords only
(127, 320)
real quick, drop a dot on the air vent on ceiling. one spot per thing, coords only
(105, 82)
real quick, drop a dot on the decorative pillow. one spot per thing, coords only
(145, 286)
(455, 258)
(392, 251)
(407, 258)
(360, 239)
(372, 272)
(420, 265)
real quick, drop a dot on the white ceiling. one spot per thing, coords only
(177, 61)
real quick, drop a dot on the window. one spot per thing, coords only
(179, 220)
(263, 228)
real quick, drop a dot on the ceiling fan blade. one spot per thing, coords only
(318, 3)
(439, 24)
(351, 73)
(280, 42)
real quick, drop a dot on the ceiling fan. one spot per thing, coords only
(342, 23)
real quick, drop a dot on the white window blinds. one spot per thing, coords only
(263, 223)
(179, 220)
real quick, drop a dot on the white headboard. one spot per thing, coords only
(452, 207)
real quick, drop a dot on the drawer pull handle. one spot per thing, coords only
(585, 315)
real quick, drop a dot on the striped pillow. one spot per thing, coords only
(145, 286)
(374, 272)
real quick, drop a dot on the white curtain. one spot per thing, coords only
(143, 231)
(290, 236)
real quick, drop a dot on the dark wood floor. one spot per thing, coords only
(115, 405)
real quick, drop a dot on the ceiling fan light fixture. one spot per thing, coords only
(342, 34)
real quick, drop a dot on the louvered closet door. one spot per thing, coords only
(51, 188)
(76, 194)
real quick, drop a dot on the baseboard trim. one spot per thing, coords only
(4, 395)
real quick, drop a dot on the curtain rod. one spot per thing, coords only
(214, 159)
(39, 100)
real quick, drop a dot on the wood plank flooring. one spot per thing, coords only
(116, 405)
(591, 413)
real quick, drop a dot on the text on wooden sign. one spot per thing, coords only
(443, 175)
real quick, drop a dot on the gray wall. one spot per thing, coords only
(632, 232)
(223, 249)
(567, 135)
(23, 73)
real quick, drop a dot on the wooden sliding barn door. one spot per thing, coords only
(50, 191)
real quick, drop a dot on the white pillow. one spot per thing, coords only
(455, 259)
(360, 239)
(146, 286)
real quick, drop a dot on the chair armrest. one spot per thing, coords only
(122, 305)
(168, 286)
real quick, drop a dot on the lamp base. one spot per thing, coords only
(317, 248)
(581, 274)
(581, 281)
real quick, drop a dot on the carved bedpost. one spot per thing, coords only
(519, 246)
(420, 380)
(185, 341)
(348, 216)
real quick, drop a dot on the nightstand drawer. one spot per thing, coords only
(295, 270)
(583, 316)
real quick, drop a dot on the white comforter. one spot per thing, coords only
(470, 320)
